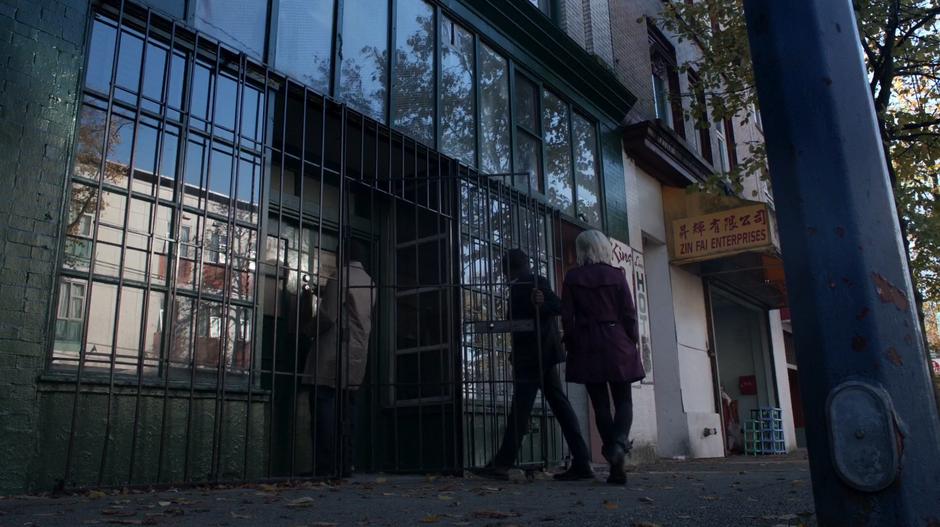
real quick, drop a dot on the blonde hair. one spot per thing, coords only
(593, 247)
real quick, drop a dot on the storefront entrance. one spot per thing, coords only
(743, 366)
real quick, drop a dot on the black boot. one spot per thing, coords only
(575, 473)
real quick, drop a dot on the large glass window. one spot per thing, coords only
(494, 112)
(129, 216)
(413, 83)
(556, 136)
(701, 138)
(458, 111)
(304, 36)
(661, 98)
(242, 24)
(667, 104)
(528, 153)
(363, 76)
(586, 173)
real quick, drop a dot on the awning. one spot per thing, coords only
(731, 241)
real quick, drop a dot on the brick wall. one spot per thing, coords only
(41, 57)
(572, 20)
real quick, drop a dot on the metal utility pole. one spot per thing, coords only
(872, 423)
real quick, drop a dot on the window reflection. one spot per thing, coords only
(304, 33)
(80, 227)
(100, 56)
(120, 141)
(91, 134)
(494, 112)
(585, 170)
(528, 162)
(125, 232)
(413, 84)
(145, 157)
(168, 158)
(363, 75)
(220, 181)
(526, 101)
(154, 70)
(458, 110)
(202, 90)
(102, 311)
(128, 67)
(239, 23)
(226, 104)
(556, 138)
(110, 234)
(73, 294)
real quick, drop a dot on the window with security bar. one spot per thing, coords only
(215, 205)
(163, 212)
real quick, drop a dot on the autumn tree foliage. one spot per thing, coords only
(901, 44)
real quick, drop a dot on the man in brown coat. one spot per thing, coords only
(335, 372)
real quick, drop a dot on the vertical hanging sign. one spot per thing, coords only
(631, 261)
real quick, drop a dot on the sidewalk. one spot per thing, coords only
(735, 491)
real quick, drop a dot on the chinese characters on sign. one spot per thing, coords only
(730, 231)
(631, 262)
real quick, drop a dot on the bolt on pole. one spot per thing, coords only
(872, 423)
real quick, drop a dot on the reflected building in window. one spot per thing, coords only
(230, 157)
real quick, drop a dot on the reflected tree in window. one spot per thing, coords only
(458, 110)
(413, 85)
(364, 57)
(585, 169)
(557, 153)
(84, 201)
(494, 112)
(304, 32)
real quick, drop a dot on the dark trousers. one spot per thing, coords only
(325, 417)
(614, 429)
(525, 388)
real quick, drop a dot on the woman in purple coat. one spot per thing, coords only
(600, 325)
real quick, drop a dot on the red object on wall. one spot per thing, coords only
(747, 384)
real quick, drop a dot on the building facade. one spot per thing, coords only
(200, 172)
(717, 336)
(187, 178)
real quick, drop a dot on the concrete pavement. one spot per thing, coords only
(768, 491)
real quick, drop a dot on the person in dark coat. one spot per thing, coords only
(600, 326)
(531, 295)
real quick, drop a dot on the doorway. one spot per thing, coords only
(743, 363)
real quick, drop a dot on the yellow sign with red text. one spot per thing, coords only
(721, 233)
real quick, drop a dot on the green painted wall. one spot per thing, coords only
(41, 53)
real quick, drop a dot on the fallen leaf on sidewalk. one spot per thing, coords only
(301, 502)
(609, 505)
(431, 518)
(95, 494)
(494, 515)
